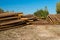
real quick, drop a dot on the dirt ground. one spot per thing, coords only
(32, 32)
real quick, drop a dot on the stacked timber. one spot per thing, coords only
(9, 19)
(54, 19)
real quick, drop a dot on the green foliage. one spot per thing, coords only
(1, 10)
(7, 11)
(41, 13)
(58, 8)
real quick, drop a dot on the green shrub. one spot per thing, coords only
(1, 10)
(58, 8)
(41, 13)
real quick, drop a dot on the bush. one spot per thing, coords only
(58, 8)
(1, 10)
(41, 13)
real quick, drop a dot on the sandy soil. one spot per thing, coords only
(32, 32)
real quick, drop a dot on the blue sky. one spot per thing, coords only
(28, 6)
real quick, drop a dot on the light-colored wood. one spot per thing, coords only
(8, 18)
(9, 14)
(14, 21)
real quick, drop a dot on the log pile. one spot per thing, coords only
(8, 18)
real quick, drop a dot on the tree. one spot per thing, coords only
(58, 8)
(41, 13)
(1, 10)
